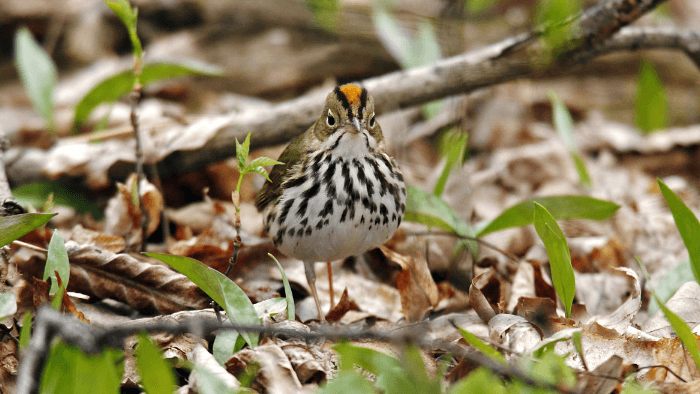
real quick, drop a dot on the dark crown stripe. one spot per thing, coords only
(343, 100)
(363, 102)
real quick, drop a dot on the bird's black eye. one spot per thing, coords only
(372, 122)
(330, 120)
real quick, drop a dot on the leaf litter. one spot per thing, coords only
(415, 279)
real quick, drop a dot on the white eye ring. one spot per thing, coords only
(330, 120)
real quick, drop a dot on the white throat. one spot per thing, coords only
(351, 144)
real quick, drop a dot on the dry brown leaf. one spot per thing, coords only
(485, 289)
(622, 317)
(539, 311)
(202, 358)
(604, 381)
(523, 285)
(341, 308)
(307, 368)
(174, 346)
(41, 292)
(149, 288)
(685, 303)
(8, 365)
(451, 299)
(671, 353)
(416, 285)
(276, 374)
(514, 332)
(123, 216)
(100, 240)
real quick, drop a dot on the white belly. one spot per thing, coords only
(310, 228)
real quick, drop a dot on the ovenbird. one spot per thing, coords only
(337, 193)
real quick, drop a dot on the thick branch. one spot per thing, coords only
(599, 33)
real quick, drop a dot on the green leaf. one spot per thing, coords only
(415, 370)
(395, 39)
(258, 170)
(69, 370)
(558, 253)
(564, 125)
(410, 52)
(583, 177)
(430, 210)
(242, 152)
(37, 195)
(679, 326)
(480, 381)
(225, 344)
(650, 101)
(552, 15)
(57, 300)
(38, 74)
(8, 305)
(425, 48)
(670, 283)
(220, 288)
(291, 313)
(552, 369)
(479, 345)
(256, 166)
(632, 386)
(391, 377)
(228, 342)
(453, 146)
(547, 345)
(478, 6)
(263, 161)
(683, 331)
(14, 227)
(119, 85)
(157, 375)
(26, 334)
(128, 16)
(687, 224)
(347, 382)
(561, 207)
(576, 340)
(326, 12)
(57, 260)
(209, 383)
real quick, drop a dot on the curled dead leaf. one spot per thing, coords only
(415, 284)
(123, 215)
(275, 373)
(343, 306)
(485, 289)
(149, 288)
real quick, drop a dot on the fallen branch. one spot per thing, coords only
(212, 138)
(52, 324)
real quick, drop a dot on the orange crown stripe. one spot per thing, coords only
(352, 93)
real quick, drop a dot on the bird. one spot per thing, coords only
(338, 193)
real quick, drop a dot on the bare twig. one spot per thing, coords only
(51, 323)
(664, 367)
(135, 98)
(632, 38)
(237, 242)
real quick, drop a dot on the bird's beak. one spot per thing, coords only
(356, 123)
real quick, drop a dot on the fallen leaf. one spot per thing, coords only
(416, 286)
(341, 308)
(147, 287)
